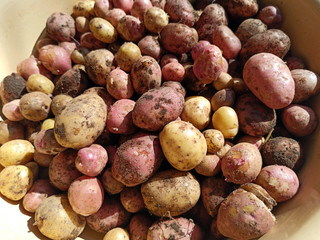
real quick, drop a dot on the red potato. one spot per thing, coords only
(299, 120)
(119, 119)
(40, 190)
(227, 41)
(91, 160)
(131, 199)
(295, 63)
(168, 58)
(157, 107)
(212, 16)
(269, 79)
(11, 111)
(46, 143)
(11, 130)
(242, 163)
(31, 66)
(150, 46)
(61, 27)
(249, 28)
(180, 11)
(114, 16)
(55, 58)
(199, 214)
(176, 85)
(111, 150)
(242, 8)
(110, 215)
(137, 159)
(130, 28)
(139, 226)
(158, 3)
(208, 65)
(279, 181)
(198, 48)
(86, 195)
(119, 84)
(87, 40)
(68, 46)
(178, 38)
(145, 74)
(209, 166)
(12, 87)
(110, 184)
(101, 7)
(42, 159)
(139, 8)
(125, 5)
(271, 16)
(173, 72)
(62, 169)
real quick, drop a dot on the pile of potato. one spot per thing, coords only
(156, 120)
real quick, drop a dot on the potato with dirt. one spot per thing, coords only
(157, 107)
(12, 87)
(58, 103)
(10, 131)
(131, 199)
(139, 226)
(173, 72)
(110, 184)
(11, 111)
(180, 191)
(55, 218)
(242, 8)
(46, 143)
(87, 40)
(117, 234)
(81, 122)
(183, 145)
(83, 8)
(249, 28)
(32, 65)
(271, 16)
(270, 80)
(214, 139)
(224, 97)
(178, 38)
(175, 85)
(155, 19)
(150, 46)
(82, 24)
(114, 16)
(39, 82)
(137, 159)
(180, 11)
(131, 29)
(198, 48)
(119, 84)
(61, 27)
(103, 30)
(127, 55)
(139, 8)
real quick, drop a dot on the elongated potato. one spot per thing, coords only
(103, 30)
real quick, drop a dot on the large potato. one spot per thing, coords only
(170, 193)
(81, 122)
(183, 145)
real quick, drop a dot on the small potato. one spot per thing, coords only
(56, 220)
(158, 3)
(59, 102)
(168, 58)
(79, 54)
(12, 87)
(103, 30)
(299, 120)
(209, 166)
(35, 106)
(119, 84)
(46, 143)
(127, 55)
(180, 191)
(131, 199)
(180, 11)
(225, 119)
(38, 82)
(239, 86)
(295, 63)
(183, 145)
(83, 8)
(10, 130)
(130, 28)
(116, 234)
(139, 8)
(47, 124)
(214, 139)
(87, 40)
(139, 226)
(15, 181)
(61, 27)
(224, 81)
(110, 184)
(271, 16)
(242, 8)
(173, 72)
(82, 24)
(191, 81)
(155, 19)
(150, 46)
(101, 7)
(224, 97)
(249, 28)
(16, 152)
(197, 110)
(114, 16)
(42, 159)
(11, 111)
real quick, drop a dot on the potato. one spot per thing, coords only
(56, 220)
(12, 87)
(212, 16)
(209, 166)
(272, 41)
(239, 86)
(137, 159)
(15, 181)
(139, 8)
(38, 82)
(271, 16)
(157, 107)
(269, 79)
(249, 28)
(109, 216)
(62, 169)
(130, 28)
(98, 65)
(242, 8)
(295, 63)
(183, 145)
(214, 139)
(139, 226)
(226, 147)
(47, 124)
(176, 228)
(117, 234)
(255, 118)
(180, 191)
(87, 40)
(224, 81)
(168, 58)
(101, 7)
(198, 48)
(131, 199)
(114, 16)
(42, 159)
(110, 184)
(32, 65)
(85, 195)
(103, 30)
(40, 190)
(225, 119)
(155, 19)
(178, 38)
(173, 72)
(60, 27)
(224, 97)
(11, 111)
(68, 46)
(150, 46)
(242, 163)
(299, 120)
(125, 5)
(197, 110)
(16, 152)
(127, 55)
(103, 93)
(175, 85)
(145, 74)
(158, 3)
(10, 130)
(46, 143)
(190, 81)
(82, 24)
(119, 84)
(257, 141)
(83, 8)
(180, 11)
(59, 102)
(81, 121)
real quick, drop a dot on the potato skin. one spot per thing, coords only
(119, 84)
(130, 28)
(249, 28)
(81, 122)
(139, 226)
(61, 27)
(180, 191)
(150, 46)
(183, 145)
(127, 55)
(131, 199)
(46, 143)
(10, 130)
(157, 107)
(56, 220)
(242, 8)
(269, 79)
(155, 19)
(103, 30)
(178, 38)
(180, 11)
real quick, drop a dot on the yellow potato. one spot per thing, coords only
(56, 220)
(215, 140)
(103, 30)
(223, 81)
(117, 234)
(127, 55)
(83, 8)
(40, 83)
(47, 124)
(225, 119)
(183, 145)
(196, 110)
(16, 152)
(15, 181)
(170, 193)
(155, 19)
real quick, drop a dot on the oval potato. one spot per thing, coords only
(103, 30)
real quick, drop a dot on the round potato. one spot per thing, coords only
(180, 191)
(183, 145)
(117, 234)
(214, 139)
(103, 30)
(127, 55)
(155, 19)
(38, 82)
(225, 119)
